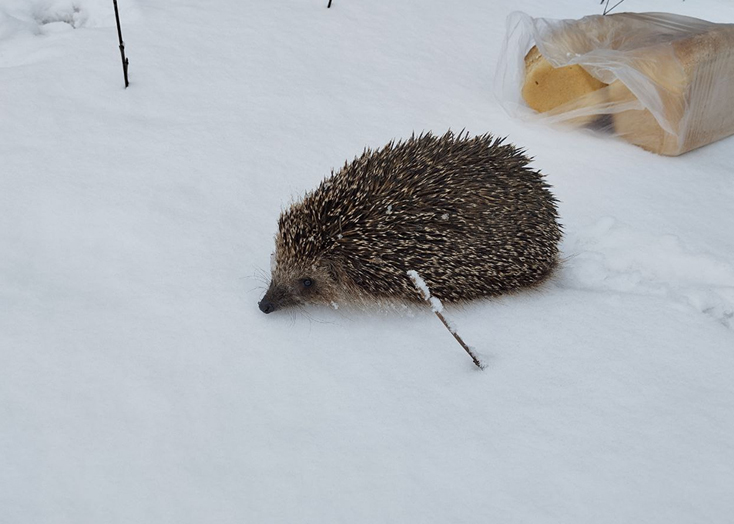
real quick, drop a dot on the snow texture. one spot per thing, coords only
(139, 382)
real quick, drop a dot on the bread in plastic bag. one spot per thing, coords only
(661, 81)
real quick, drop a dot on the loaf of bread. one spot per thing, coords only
(547, 88)
(676, 72)
(694, 77)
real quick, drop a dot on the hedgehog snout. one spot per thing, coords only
(266, 306)
(269, 301)
(275, 298)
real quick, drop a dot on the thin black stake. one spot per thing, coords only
(608, 9)
(122, 45)
(329, 4)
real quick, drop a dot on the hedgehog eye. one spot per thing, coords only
(307, 282)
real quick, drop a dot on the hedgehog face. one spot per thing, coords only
(296, 286)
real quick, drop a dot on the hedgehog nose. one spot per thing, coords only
(266, 306)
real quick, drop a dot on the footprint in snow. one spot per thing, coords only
(612, 256)
(42, 17)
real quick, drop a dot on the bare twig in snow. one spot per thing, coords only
(125, 61)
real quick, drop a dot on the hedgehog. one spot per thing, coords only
(466, 213)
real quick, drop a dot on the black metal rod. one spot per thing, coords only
(329, 4)
(122, 45)
(608, 9)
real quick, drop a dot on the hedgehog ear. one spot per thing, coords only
(335, 268)
(344, 269)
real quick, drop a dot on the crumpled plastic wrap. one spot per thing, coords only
(661, 81)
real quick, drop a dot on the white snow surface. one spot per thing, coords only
(139, 382)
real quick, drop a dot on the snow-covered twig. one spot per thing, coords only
(437, 308)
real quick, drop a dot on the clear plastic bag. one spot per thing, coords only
(661, 81)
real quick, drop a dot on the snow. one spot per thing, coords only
(435, 303)
(140, 383)
(420, 285)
